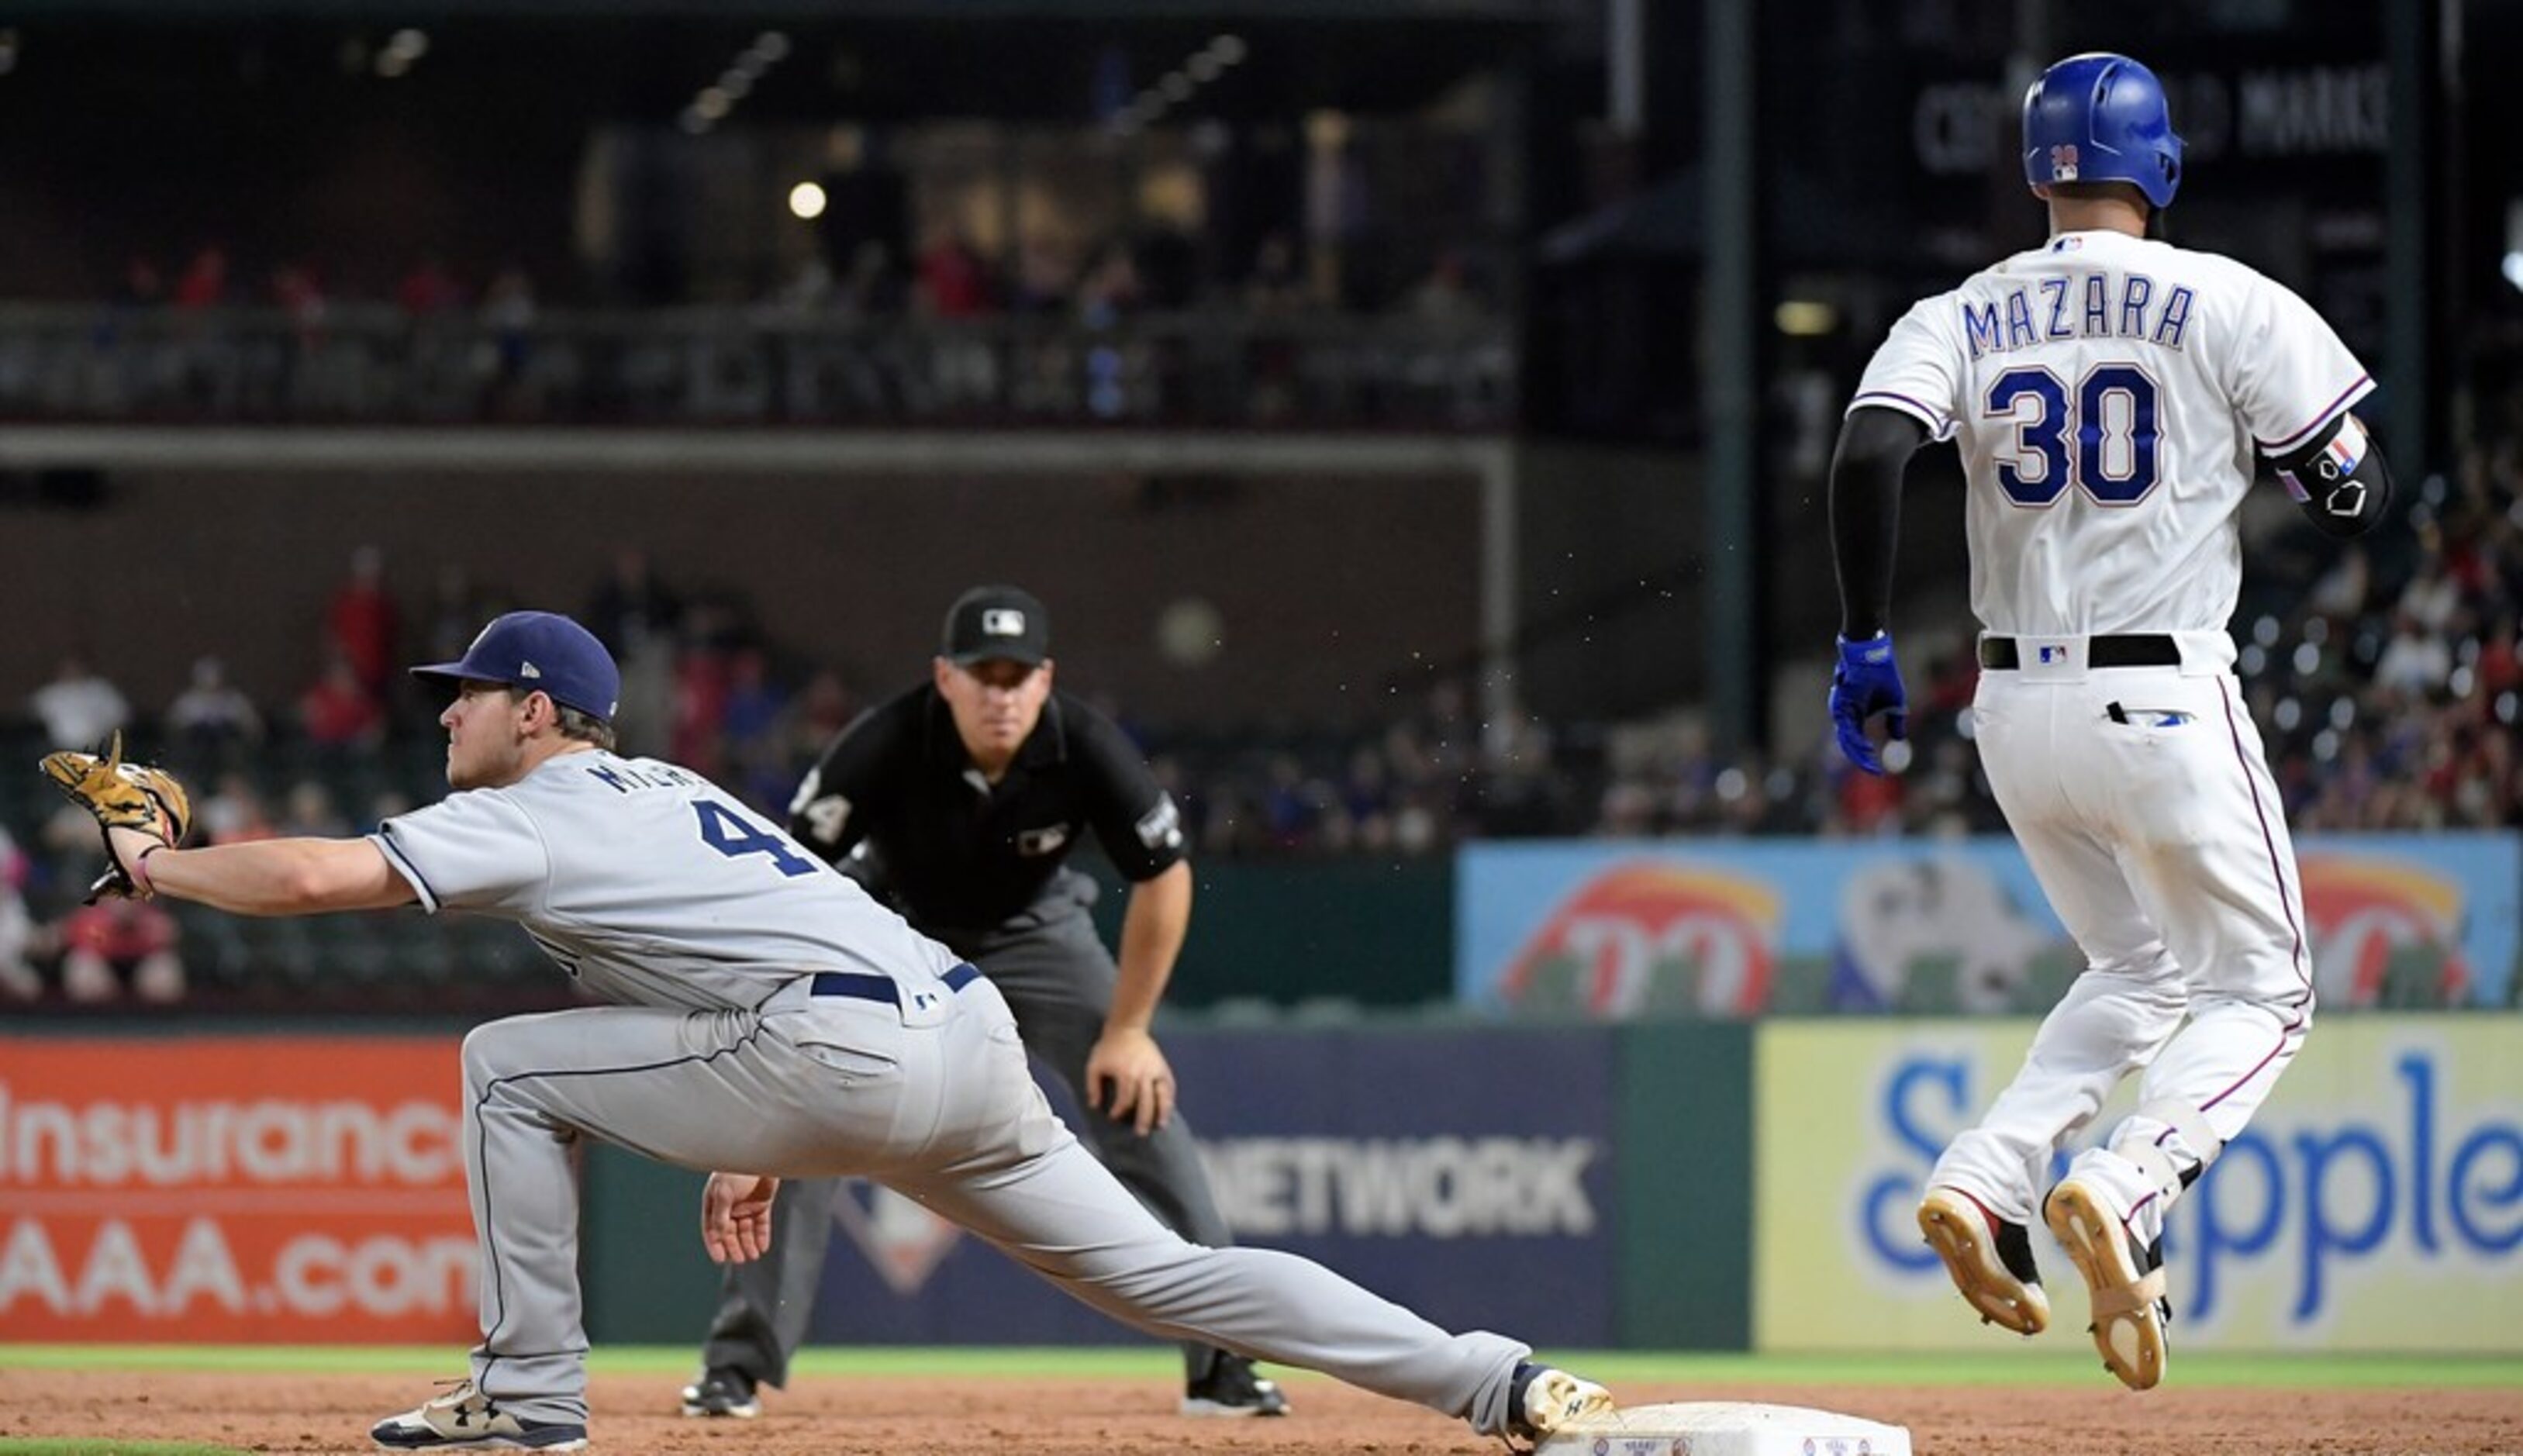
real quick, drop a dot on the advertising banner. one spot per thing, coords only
(1731, 927)
(299, 1190)
(2375, 1204)
(1405, 1160)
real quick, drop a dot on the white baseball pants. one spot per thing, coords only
(2143, 800)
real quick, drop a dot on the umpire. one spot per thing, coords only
(957, 802)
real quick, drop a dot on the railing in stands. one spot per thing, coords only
(375, 364)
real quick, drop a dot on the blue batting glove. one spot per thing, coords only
(1865, 682)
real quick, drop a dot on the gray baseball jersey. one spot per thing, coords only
(718, 908)
(780, 1023)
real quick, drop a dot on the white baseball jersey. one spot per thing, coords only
(2108, 392)
(650, 884)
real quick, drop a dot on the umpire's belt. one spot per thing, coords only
(881, 987)
(2143, 650)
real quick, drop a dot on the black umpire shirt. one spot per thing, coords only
(957, 851)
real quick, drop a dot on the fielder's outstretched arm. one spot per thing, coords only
(267, 877)
(1874, 449)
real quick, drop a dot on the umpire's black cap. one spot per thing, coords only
(990, 624)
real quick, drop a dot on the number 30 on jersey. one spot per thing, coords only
(2104, 437)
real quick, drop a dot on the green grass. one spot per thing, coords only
(1615, 1367)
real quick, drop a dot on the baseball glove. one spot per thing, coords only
(122, 796)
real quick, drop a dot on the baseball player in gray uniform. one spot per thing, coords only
(958, 803)
(770, 1020)
(2110, 393)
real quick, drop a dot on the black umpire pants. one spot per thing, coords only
(1057, 977)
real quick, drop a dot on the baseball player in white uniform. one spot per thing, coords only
(2110, 394)
(770, 1020)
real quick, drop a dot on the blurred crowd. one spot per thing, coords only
(2388, 688)
(945, 275)
(1136, 331)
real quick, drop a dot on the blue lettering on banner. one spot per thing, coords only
(2326, 1197)
(1891, 1199)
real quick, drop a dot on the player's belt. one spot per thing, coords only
(2144, 650)
(882, 987)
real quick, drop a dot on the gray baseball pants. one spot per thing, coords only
(1058, 978)
(934, 1100)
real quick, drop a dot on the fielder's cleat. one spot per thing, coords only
(1990, 1259)
(2125, 1279)
(1233, 1388)
(722, 1391)
(1543, 1399)
(466, 1420)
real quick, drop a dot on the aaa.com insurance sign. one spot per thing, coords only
(299, 1190)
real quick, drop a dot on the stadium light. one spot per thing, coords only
(806, 200)
(1806, 318)
(735, 83)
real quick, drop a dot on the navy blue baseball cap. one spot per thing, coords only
(540, 652)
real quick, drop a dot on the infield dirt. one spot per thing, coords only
(894, 1415)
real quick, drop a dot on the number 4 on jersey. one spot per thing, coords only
(2114, 422)
(733, 834)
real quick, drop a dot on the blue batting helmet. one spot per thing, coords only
(2101, 117)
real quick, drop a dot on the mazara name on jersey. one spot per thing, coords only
(2088, 306)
